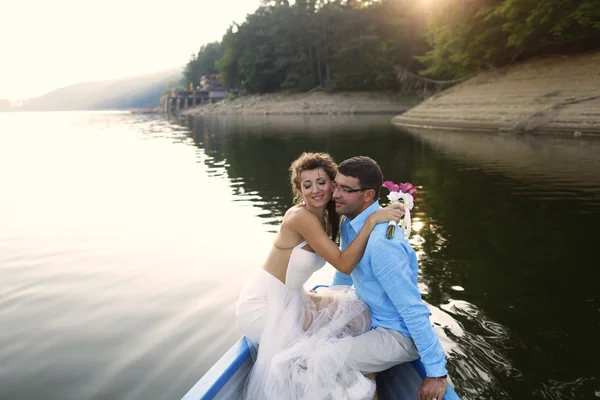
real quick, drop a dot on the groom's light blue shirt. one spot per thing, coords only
(386, 279)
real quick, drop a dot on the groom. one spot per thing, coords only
(385, 279)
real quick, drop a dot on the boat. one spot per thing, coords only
(226, 379)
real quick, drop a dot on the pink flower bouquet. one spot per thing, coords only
(400, 194)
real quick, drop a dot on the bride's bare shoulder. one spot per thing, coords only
(296, 212)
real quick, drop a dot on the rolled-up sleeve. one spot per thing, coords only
(391, 267)
(340, 279)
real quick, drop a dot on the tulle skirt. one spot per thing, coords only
(304, 345)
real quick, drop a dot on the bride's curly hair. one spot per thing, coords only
(308, 162)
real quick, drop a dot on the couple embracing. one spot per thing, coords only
(331, 344)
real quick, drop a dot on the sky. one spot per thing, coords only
(47, 44)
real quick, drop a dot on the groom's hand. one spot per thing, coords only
(432, 389)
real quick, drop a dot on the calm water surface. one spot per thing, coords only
(125, 240)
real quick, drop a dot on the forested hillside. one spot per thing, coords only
(358, 45)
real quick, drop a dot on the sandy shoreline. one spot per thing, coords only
(317, 103)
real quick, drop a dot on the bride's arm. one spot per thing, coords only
(309, 227)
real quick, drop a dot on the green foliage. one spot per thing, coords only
(466, 35)
(332, 44)
(356, 45)
(203, 63)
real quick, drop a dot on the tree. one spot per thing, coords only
(467, 35)
(203, 63)
(356, 45)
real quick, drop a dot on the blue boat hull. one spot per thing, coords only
(225, 380)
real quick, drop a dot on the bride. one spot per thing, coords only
(303, 338)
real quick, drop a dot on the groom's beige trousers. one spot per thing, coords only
(380, 349)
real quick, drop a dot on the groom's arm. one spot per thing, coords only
(341, 279)
(391, 266)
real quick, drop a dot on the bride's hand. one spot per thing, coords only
(393, 212)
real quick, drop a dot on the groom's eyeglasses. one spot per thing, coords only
(346, 189)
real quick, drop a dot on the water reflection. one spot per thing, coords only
(520, 215)
(259, 150)
(562, 166)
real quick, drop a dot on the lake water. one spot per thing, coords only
(125, 240)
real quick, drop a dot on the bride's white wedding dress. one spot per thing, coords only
(303, 340)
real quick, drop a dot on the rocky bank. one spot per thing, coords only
(554, 94)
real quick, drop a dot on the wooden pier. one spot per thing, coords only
(210, 90)
(182, 99)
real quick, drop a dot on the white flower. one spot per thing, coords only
(394, 196)
(408, 200)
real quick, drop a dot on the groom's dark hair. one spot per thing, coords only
(366, 170)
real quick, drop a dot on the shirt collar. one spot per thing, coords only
(358, 222)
